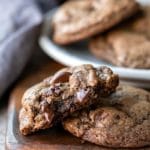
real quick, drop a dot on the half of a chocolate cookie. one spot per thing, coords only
(69, 90)
(121, 120)
(80, 19)
(127, 45)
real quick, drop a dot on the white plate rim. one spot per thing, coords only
(52, 50)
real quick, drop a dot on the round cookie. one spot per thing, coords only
(77, 20)
(122, 120)
(127, 45)
(122, 48)
(67, 91)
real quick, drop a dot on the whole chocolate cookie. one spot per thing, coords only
(80, 19)
(69, 90)
(127, 45)
(121, 120)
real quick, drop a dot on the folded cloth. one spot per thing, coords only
(19, 21)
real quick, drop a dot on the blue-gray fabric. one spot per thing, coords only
(19, 21)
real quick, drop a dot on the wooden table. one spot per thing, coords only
(3, 116)
(38, 59)
(39, 62)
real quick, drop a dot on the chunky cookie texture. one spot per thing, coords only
(121, 120)
(67, 91)
(80, 19)
(128, 45)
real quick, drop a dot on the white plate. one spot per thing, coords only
(77, 54)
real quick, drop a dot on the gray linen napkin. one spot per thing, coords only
(19, 30)
(19, 21)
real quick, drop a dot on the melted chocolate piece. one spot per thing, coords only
(82, 95)
(60, 77)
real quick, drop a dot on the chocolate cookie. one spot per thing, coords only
(121, 120)
(80, 19)
(141, 24)
(69, 90)
(127, 46)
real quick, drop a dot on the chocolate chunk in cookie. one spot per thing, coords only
(121, 120)
(127, 45)
(69, 90)
(80, 19)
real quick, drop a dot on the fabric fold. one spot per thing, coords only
(19, 30)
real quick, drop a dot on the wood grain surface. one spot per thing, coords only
(54, 138)
(3, 118)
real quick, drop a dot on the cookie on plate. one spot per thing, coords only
(121, 120)
(69, 90)
(127, 45)
(80, 19)
(141, 23)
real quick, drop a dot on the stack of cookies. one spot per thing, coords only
(88, 101)
(91, 105)
(119, 30)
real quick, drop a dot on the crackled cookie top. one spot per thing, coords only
(68, 90)
(121, 120)
(76, 20)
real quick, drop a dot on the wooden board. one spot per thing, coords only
(52, 139)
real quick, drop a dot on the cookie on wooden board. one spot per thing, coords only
(67, 91)
(121, 120)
